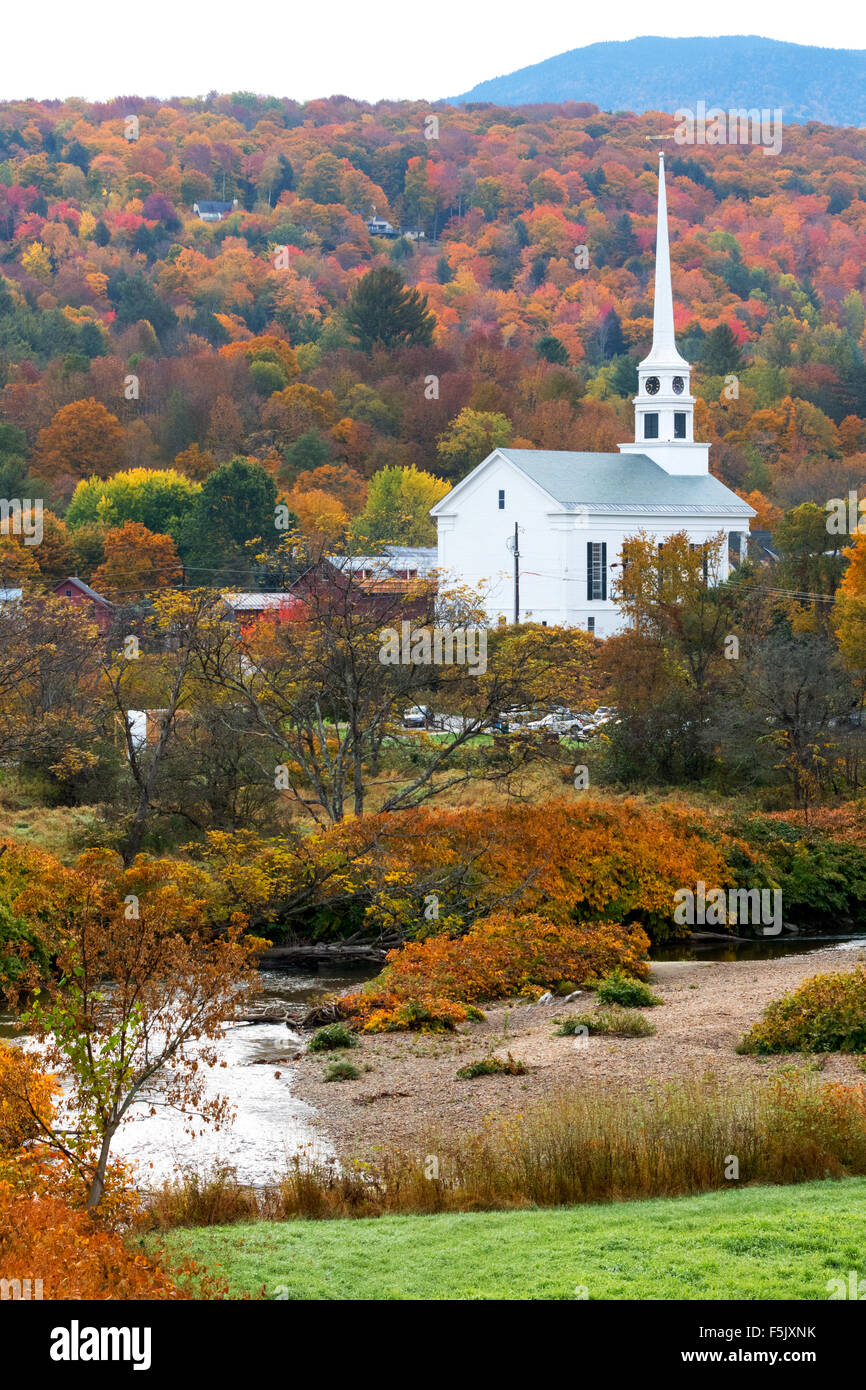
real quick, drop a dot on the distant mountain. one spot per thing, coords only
(657, 74)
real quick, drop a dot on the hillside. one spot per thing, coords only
(663, 74)
(135, 335)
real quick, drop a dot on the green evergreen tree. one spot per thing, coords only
(384, 312)
(234, 509)
(721, 353)
(551, 349)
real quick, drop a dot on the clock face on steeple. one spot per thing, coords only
(678, 384)
(652, 384)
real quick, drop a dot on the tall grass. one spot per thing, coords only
(576, 1147)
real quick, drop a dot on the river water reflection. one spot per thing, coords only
(270, 1125)
(762, 948)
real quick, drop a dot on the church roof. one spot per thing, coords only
(622, 483)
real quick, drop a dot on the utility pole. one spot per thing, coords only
(513, 544)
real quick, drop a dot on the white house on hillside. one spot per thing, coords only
(574, 510)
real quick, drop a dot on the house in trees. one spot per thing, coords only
(379, 226)
(214, 212)
(408, 562)
(570, 513)
(250, 606)
(369, 584)
(81, 594)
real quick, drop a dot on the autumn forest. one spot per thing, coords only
(245, 341)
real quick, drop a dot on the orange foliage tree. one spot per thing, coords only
(148, 1039)
(26, 1100)
(850, 612)
(321, 516)
(41, 1237)
(83, 439)
(136, 561)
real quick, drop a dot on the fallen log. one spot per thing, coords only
(262, 1018)
(342, 953)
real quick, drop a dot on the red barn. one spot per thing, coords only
(366, 585)
(81, 594)
(250, 607)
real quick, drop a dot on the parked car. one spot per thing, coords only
(547, 721)
(416, 717)
(512, 721)
(580, 729)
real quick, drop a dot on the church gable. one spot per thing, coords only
(495, 475)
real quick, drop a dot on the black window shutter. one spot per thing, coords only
(604, 569)
(589, 593)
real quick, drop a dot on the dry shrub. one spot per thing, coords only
(42, 1238)
(427, 985)
(846, 822)
(826, 1013)
(577, 1147)
(194, 1198)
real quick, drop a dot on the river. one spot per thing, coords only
(270, 1125)
(761, 948)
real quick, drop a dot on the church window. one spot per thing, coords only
(679, 424)
(704, 560)
(596, 569)
(502, 499)
(590, 624)
(651, 426)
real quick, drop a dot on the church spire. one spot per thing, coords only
(664, 407)
(664, 349)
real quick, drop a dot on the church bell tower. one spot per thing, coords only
(664, 405)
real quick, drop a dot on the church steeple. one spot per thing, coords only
(663, 352)
(664, 407)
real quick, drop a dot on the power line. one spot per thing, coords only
(802, 595)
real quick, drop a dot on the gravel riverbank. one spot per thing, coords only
(408, 1084)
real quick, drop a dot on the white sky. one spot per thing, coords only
(369, 48)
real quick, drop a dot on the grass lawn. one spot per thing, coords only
(747, 1243)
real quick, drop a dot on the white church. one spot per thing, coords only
(573, 511)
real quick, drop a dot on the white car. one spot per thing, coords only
(603, 715)
(549, 721)
(415, 717)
